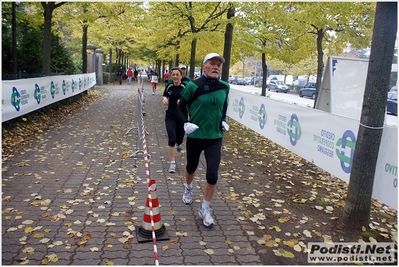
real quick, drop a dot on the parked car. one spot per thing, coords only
(277, 86)
(393, 89)
(232, 79)
(256, 80)
(308, 90)
(241, 81)
(392, 103)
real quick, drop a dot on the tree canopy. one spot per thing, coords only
(150, 32)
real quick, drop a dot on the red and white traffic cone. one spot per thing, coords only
(152, 229)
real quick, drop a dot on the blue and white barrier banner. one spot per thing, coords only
(320, 137)
(20, 97)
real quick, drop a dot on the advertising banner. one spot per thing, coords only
(325, 139)
(20, 97)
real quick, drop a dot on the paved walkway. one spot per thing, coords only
(76, 196)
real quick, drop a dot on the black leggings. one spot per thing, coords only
(175, 130)
(213, 152)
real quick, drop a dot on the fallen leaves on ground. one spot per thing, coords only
(290, 201)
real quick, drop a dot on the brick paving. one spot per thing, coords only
(79, 183)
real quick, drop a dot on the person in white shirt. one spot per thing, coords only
(154, 82)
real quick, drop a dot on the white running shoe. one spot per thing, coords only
(178, 148)
(206, 216)
(172, 168)
(187, 196)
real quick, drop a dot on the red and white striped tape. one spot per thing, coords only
(152, 187)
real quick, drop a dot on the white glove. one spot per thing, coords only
(225, 126)
(190, 127)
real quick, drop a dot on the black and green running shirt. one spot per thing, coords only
(173, 93)
(206, 101)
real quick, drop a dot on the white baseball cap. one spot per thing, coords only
(183, 66)
(213, 55)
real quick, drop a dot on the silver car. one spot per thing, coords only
(277, 86)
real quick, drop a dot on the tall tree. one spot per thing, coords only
(14, 39)
(228, 43)
(265, 31)
(200, 18)
(48, 8)
(358, 202)
(335, 26)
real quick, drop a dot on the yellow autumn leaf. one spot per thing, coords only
(275, 228)
(164, 248)
(28, 230)
(183, 219)
(52, 257)
(372, 239)
(317, 233)
(109, 263)
(181, 234)
(36, 203)
(287, 254)
(261, 242)
(209, 251)
(297, 248)
(267, 237)
(289, 243)
(270, 243)
(307, 233)
(283, 220)
(202, 243)
(171, 212)
(118, 197)
(173, 241)
(228, 242)
(38, 235)
(29, 250)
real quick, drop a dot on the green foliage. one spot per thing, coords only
(30, 47)
(61, 60)
(145, 32)
(106, 78)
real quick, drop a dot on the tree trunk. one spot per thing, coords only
(84, 48)
(48, 8)
(14, 40)
(264, 78)
(110, 65)
(358, 202)
(48, 13)
(177, 59)
(228, 43)
(320, 64)
(192, 58)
